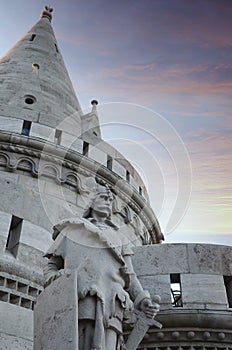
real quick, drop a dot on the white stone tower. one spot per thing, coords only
(50, 152)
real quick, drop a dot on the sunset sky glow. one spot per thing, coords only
(173, 57)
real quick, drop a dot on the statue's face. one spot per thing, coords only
(102, 204)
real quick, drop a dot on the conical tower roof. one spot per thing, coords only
(35, 84)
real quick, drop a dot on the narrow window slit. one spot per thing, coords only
(109, 162)
(26, 128)
(176, 293)
(13, 238)
(228, 286)
(85, 149)
(32, 38)
(56, 47)
(58, 134)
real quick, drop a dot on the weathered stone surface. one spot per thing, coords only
(9, 342)
(11, 124)
(42, 131)
(77, 145)
(29, 255)
(35, 236)
(119, 169)
(161, 259)
(5, 219)
(203, 291)
(183, 258)
(210, 258)
(19, 270)
(18, 321)
(56, 316)
(70, 195)
(29, 181)
(158, 285)
(68, 140)
(21, 200)
(186, 318)
(97, 155)
(2, 244)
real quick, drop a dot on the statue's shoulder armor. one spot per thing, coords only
(77, 222)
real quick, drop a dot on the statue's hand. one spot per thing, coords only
(52, 276)
(62, 272)
(150, 308)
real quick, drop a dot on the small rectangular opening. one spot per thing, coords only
(56, 47)
(176, 293)
(26, 128)
(32, 37)
(58, 134)
(228, 286)
(11, 284)
(85, 149)
(4, 296)
(26, 303)
(23, 288)
(140, 191)
(33, 292)
(2, 281)
(128, 176)
(14, 235)
(14, 299)
(109, 162)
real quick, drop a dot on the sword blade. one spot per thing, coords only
(140, 329)
(137, 334)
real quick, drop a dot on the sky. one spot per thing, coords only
(162, 73)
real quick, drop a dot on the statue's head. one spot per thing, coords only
(100, 203)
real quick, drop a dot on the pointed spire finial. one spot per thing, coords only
(94, 103)
(47, 13)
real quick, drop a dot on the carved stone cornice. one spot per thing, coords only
(57, 155)
(191, 327)
(197, 338)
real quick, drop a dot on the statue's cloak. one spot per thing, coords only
(101, 262)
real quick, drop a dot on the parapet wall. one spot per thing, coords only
(195, 284)
(201, 270)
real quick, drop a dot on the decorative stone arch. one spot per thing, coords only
(4, 159)
(73, 180)
(26, 164)
(51, 171)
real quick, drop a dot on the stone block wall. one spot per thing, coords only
(200, 271)
(201, 317)
(65, 136)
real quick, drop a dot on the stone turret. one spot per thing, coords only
(49, 151)
(35, 85)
